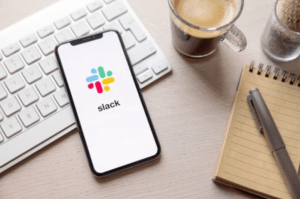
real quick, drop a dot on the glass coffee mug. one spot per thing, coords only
(198, 25)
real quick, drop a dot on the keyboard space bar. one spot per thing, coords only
(36, 135)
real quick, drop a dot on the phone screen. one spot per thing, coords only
(113, 121)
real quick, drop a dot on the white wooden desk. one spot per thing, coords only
(189, 108)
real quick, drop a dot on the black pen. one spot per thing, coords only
(267, 126)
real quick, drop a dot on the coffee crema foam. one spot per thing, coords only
(206, 13)
(288, 11)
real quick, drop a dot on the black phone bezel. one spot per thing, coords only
(133, 164)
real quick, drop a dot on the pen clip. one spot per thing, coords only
(254, 113)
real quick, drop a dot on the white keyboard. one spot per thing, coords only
(35, 110)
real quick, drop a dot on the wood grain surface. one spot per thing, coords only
(189, 108)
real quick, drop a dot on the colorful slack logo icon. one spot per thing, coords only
(100, 73)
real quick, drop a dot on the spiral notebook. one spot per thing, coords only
(246, 161)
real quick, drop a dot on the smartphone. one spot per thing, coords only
(111, 115)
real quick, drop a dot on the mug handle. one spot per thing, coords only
(235, 39)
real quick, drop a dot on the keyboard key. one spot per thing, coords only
(31, 55)
(128, 40)
(145, 76)
(10, 106)
(47, 46)
(141, 52)
(113, 26)
(46, 107)
(114, 10)
(58, 79)
(28, 96)
(1, 117)
(14, 83)
(11, 127)
(45, 86)
(129, 23)
(95, 5)
(63, 22)
(14, 64)
(78, 14)
(1, 57)
(142, 67)
(126, 21)
(138, 33)
(96, 20)
(3, 93)
(30, 39)
(48, 65)
(2, 73)
(61, 98)
(63, 36)
(158, 68)
(11, 49)
(33, 137)
(80, 29)
(29, 117)
(32, 74)
(108, 1)
(48, 30)
(1, 138)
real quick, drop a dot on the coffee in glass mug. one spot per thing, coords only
(198, 25)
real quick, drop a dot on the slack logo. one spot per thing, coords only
(98, 84)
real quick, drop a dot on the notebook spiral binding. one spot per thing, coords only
(285, 74)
